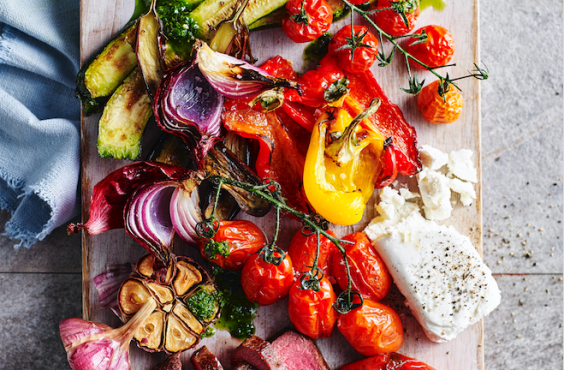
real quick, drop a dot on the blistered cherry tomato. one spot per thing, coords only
(372, 329)
(279, 67)
(303, 249)
(435, 108)
(315, 82)
(369, 275)
(265, 282)
(308, 19)
(392, 22)
(363, 56)
(436, 51)
(233, 243)
(387, 361)
(312, 312)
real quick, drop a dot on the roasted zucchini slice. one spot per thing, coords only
(99, 78)
(124, 119)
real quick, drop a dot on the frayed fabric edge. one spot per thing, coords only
(26, 238)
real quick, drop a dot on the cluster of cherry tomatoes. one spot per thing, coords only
(357, 47)
(371, 329)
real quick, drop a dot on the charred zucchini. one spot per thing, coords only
(98, 79)
(257, 9)
(124, 119)
(273, 19)
(147, 50)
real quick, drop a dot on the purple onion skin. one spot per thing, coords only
(186, 105)
(147, 219)
(108, 283)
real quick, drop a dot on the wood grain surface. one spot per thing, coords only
(101, 19)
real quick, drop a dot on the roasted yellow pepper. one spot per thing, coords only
(342, 164)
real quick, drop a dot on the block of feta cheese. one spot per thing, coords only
(443, 278)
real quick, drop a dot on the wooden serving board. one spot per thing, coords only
(101, 19)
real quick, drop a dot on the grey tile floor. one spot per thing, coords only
(522, 138)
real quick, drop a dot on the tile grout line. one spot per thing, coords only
(38, 273)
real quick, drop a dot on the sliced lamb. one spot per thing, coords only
(203, 359)
(171, 363)
(258, 353)
(298, 352)
(244, 367)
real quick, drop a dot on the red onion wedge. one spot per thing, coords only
(111, 194)
(155, 211)
(235, 78)
(95, 346)
(185, 214)
(186, 105)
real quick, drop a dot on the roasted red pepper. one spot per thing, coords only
(388, 120)
(282, 148)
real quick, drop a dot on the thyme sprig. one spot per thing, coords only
(271, 192)
(415, 85)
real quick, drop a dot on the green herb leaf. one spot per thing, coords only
(336, 90)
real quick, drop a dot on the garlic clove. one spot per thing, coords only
(132, 296)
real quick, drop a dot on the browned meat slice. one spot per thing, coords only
(244, 367)
(258, 353)
(171, 363)
(298, 352)
(203, 359)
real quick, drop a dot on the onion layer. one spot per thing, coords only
(186, 105)
(235, 78)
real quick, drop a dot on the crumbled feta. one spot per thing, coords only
(460, 164)
(435, 192)
(465, 189)
(432, 158)
(442, 276)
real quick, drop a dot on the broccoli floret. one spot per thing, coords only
(177, 24)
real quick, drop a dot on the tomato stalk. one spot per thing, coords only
(414, 85)
(270, 192)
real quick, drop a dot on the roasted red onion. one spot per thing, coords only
(111, 194)
(235, 78)
(108, 283)
(95, 346)
(186, 105)
(155, 211)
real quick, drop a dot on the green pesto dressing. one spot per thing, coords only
(316, 50)
(238, 312)
(438, 5)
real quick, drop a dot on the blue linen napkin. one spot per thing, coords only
(39, 115)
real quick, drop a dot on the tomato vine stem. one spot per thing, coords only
(415, 85)
(271, 192)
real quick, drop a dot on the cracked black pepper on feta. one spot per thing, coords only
(443, 278)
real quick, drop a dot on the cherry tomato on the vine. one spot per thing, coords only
(265, 282)
(356, 51)
(391, 21)
(369, 275)
(312, 311)
(315, 82)
(308, 19)
(385, 361)
(303, 249)
(372, 329)
(435, 52)
(233, 243)
(279, 67)
(435, 108)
